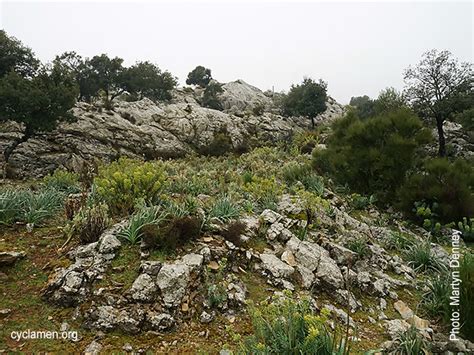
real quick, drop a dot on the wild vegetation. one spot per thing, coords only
(228, 229)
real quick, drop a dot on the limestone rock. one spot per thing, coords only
(8, 258)
(94, 348)
(316, 259)
(173, 280)
(278, 268)
(144, 288)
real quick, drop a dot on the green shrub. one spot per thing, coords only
(372, 155)
(467, 229)
(466, 303)
(89, 223)
(121, 183)
(132, 232)
(306, 141)
(28, 206)
(224, 209)
(288, 326)
(359, 246)
(411, 342)
(420, 257)
(293, 172)
(264, 191)
(210, 97)
(447, 184)
(398, 241)
(220, 145)
(11, 205)
(63, 180)
(436, 302)
(359, 202)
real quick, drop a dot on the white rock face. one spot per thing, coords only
(144, 129)
(316, 259)
(240, 96)
(277, 267)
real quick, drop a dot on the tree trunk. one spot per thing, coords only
(312, 122)
(441, 140)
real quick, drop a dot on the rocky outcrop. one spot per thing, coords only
(144, 129)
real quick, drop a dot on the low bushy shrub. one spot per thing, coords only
(449, 185)
(264, 191)
(221, 144)
(436, 302)
(466, 226)
(411, 342)
(122, 183)
(466, 302)
(420, 256)
(90, 222)
(288, 326)
(132, 232)
(26, 206)
(372, 155)
(360, 247)
(63, 180)
(224, 209)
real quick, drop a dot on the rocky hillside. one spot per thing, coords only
(262, 236)
(144, 129)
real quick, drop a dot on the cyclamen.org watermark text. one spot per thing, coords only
(44, 334)
(454, 264)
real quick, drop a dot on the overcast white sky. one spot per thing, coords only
(357, 47)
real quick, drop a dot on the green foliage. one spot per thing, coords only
(307, 99)
(38, 102)
(363, 105)
(448, 185)
(210, 97)
(436, 87)
(14, 56)
(107, 74)
(132, 232)
(359, 202)
(411, 342)
(306, 141)
(258, 109)
(199, 76)
(122, 183)
(26, 206)
(466, 226)
(398, 241)
(264, 191)
(89, 223)
(288, 326)
(145, 79)
(372, 155)
(214, 285)
(224, 209)
(63, 180)
(221, 144)
(421, 258)
(466, 119)
(436, 302)
(360, 247)
(466, 303)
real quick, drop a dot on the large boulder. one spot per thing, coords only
(317, 260)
